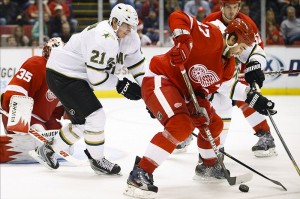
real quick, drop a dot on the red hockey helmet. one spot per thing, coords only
(51, 43)
(229, 1)
(241, 30)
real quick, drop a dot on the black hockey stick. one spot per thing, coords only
(284, 144)
(280, 137)
(276, 72)
(201, 111)
(248, 167)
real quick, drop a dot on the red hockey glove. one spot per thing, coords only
(182, 49)
(200, 120)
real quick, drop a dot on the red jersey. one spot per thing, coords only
(218, 15)
(30, 81)
(205, 66)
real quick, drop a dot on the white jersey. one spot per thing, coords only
(96, 53)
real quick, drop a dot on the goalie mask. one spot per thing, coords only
(51, 43)
(124, 14)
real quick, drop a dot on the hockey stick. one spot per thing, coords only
(256, 87)
(284, 144)
(231, 180)
(62, 153)
(276, 72)
(248, 167)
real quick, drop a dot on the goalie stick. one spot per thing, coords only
(276, 72)
(62, 153)
(231, 180)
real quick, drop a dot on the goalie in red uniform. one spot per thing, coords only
(207, 56)
(30, 82)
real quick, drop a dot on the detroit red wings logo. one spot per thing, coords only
(201, 75)
(50, 96)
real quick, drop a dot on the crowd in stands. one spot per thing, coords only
(21, 15)
(282, 19)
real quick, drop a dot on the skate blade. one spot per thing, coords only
(268, 153)
(134, 192)
(178, 151)
(208, 180)
(107, 174)
(36, 156)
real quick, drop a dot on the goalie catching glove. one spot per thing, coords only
(129, 89)
(254, 74)
(260, 103)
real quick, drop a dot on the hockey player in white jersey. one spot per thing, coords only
(86, 63)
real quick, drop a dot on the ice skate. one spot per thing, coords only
(140, 184)
(103, 166)
(182, 147)
(206, 173)
(45, 155)
(265, 147)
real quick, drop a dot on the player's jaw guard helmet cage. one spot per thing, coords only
(241, 30)
(124, 14)
(51, 43)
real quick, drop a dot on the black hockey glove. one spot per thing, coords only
(260, 103)
(253, 73)
(129, 89)
(150, 113)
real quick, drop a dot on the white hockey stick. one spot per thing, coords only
(231, 180)
(62, 153)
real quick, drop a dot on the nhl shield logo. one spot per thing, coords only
(200, 74)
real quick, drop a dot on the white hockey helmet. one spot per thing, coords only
(124, 13)
(51, 43)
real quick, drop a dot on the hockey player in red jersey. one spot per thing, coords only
(206, 54)
(30, 81)
(253, 57)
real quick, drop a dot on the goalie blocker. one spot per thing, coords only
(19, 116)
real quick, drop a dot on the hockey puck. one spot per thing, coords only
(243, 188)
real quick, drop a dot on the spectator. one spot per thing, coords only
(145, 40)
(56, 21)
(191, 7)
(115, 2)
(65, 32)
(245, 9)
(200, 14)
(275, 38)
(11, 41)
(148, 5)
(66, 12)
(215, 5)
(170, 6)
(290, 27)
(21, 38)
(168, 40)
(151, 26)
(35, 32)
(9, 12)
(271, 22)
(32, 13)
(295, 4)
